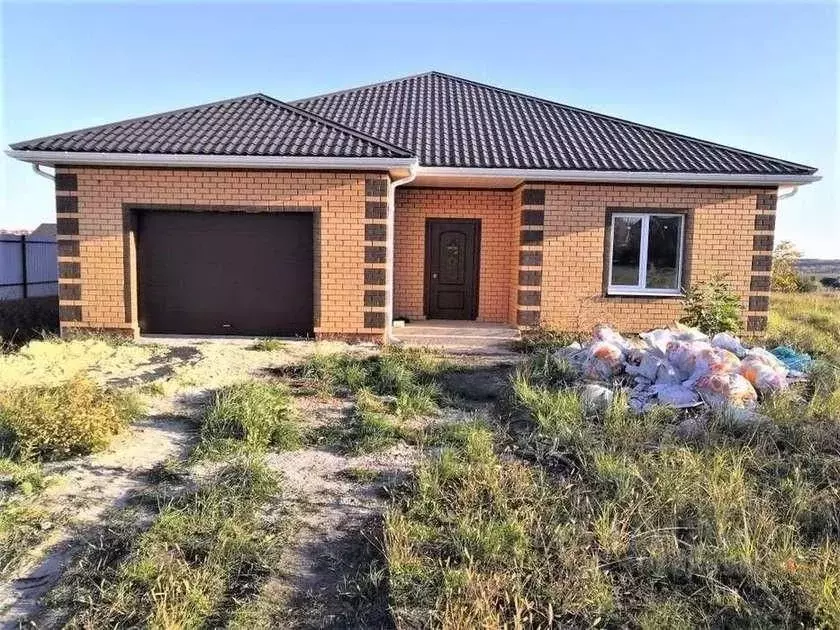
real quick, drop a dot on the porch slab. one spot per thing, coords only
(459, 336)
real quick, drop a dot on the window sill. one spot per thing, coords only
(643, 294)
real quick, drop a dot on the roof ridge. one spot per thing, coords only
(135, 119)
(366, 86)
(609, 117)
(336, 125)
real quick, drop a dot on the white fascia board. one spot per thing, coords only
(52, 158)
(619, 177)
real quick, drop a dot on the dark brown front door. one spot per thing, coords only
(452, 258)
(225, 273)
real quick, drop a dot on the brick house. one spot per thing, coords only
(429, 196)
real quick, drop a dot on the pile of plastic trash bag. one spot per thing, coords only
(682, 367)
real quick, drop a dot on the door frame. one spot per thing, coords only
(427, 271)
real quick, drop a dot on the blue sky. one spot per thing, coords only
(762, 77)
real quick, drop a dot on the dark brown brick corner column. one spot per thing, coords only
(759, 295)
(69, 254)
(376, 255)
(529, 278)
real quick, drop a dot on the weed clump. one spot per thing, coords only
(256, 414)
(55, 422)
(269, 345)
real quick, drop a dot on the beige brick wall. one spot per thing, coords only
(495, 210)
(728, 230)
(101, 193)
(721, 225)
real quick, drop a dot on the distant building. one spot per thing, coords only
(816, 268)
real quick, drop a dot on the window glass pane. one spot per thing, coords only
(663, 253)
(627, 239)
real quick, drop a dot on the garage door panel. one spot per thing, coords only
(225, 273)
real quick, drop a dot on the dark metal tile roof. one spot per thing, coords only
(255, 125)
(441, 119)
(449, 121)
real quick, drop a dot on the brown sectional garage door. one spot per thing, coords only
(225, 273)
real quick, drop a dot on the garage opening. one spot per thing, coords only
(225, 273)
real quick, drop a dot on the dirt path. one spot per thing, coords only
(183, 377)
(331, 563)
(83, 491)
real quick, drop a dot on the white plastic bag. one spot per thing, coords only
(729, 342)
(762, 376)
(658, 339)
(683, 355)
(726, 390)
(677, 396)
(712, 361)
(596, 397)
(603, 361)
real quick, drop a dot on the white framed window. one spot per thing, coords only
(646, 252)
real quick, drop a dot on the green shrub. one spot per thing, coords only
(712, 307)
(255, 413)
(59, 421)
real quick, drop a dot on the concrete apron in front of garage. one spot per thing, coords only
(459, 336)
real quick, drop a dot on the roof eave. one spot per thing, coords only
(60, 158)
(622, 177)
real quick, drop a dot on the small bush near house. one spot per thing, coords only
(712, 307)
(55, 422)
(27, 319)
(255, 413)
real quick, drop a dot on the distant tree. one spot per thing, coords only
(785, 277)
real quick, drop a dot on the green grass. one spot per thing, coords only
(23, 526)
(369, 428)
(572, 517)
(59, 421)
(206, 553)
(254, 415)
(390, 389)
(806, 321)
(26, 477)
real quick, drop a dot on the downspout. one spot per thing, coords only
(788, 194)
(389, 253)
(37, 168)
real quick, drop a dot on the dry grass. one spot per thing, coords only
(807, 321)
(60, 421)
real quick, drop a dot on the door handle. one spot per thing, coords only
(434, 275)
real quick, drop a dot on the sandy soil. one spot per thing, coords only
(83, 490)
(335, 513)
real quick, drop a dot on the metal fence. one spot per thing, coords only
(28, 267)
